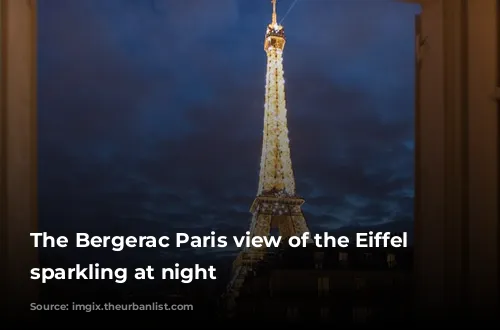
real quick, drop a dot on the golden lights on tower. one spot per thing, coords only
(276, 174)
(276, 204)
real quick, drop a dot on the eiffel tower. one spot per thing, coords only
(276, 204)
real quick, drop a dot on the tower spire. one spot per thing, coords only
(275, 34)
(274, 17)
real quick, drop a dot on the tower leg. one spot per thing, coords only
(299, 225)
(261, 226)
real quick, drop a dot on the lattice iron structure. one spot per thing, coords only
(277, 205)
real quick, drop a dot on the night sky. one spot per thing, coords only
(151, 113)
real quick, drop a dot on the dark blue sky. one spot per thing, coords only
(151, 112)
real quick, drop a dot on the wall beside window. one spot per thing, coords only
(18, 192)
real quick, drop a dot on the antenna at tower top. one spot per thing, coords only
(275, 19)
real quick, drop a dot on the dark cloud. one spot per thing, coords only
(151, 112)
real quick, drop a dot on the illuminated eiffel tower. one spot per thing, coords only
(276, 204)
